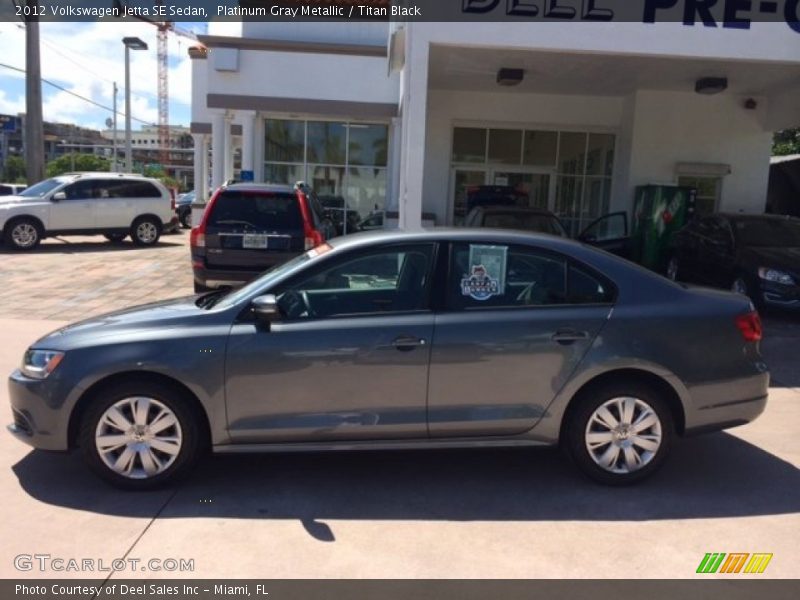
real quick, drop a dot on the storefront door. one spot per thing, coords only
(535, 186)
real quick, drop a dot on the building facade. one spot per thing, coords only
(405, 118)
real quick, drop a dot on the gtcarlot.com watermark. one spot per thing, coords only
(48, 563)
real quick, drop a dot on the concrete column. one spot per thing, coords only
(228, 143)
(248, 119)
(199, 164)
(218, 149)
(258, 150)
(414, 112)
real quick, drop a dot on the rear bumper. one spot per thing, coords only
(237, 275)
(729, 404)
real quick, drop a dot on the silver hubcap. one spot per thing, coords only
(672, 269)
(739, 287)
(147, 232)
(138, 437)
(24, 235)
(623, 435)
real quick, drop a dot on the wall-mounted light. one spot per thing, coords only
(711, 85)
(510, 76)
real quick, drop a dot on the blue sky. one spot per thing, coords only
(87, 58)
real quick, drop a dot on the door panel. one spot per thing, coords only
(518, 322)
(77, 210)
(495, 372)
(337, 379)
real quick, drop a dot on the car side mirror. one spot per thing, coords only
(59, 196)
(265, 308)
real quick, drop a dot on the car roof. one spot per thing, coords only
(754, 217)
(455, 234)
(105, 175)
(261, 187)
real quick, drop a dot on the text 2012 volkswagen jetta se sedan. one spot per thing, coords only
(433, 339)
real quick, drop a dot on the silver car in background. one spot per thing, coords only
(392, 340)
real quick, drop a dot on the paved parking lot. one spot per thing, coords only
(477, 513)
(73, 278)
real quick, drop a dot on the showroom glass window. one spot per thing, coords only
(344, 162)
(568, 172)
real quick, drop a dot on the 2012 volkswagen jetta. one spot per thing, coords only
(392, 340)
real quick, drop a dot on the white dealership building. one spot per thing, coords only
(406, 117)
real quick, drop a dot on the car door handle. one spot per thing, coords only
(406, 343)
(567, 336)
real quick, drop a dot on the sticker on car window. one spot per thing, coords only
(487, 272)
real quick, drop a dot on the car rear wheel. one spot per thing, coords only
(23, 234)
(145, 231)
(620, 434)
(139, 435)
(115, 238)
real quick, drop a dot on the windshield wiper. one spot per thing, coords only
(235, 222)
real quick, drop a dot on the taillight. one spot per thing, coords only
(750, 326)
(313, 237)
(197, 239)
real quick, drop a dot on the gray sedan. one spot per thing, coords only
(391, 340)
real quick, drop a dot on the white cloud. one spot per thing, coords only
(86, 58)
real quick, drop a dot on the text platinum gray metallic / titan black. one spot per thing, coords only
(390, 340)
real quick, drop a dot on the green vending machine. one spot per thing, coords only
(658, 212)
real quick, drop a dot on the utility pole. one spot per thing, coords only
(34, 128)
(114, 136)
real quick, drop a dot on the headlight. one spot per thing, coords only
(38, 364)
(775, 276)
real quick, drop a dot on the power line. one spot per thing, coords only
(84, 98)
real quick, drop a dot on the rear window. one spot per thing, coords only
(259, 210)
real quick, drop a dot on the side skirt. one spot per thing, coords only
(373, 445)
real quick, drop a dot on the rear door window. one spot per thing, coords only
(6, 190)
(268, 211)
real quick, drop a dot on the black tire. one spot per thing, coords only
(115, 238)
(23, 229)
(146, 231)
(190, 448)
(576, 430)
(185, 217)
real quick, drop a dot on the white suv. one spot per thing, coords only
(112, 204)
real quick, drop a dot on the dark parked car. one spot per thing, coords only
(248, 228)
(495, 195)
(183, 208)
(755, 255)
(609, 232)
(390, 340)
(335, 210)
(515, 217)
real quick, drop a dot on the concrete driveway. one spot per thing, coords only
(447, 514)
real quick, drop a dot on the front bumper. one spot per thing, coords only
(39, 417)
(780, 296)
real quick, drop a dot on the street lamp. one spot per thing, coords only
(131, 43)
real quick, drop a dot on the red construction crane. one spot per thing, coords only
(164, 27)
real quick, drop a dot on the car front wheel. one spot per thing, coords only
(145, 231)
(620, 434)
(139, 435)
(23, 234)
(186, 219)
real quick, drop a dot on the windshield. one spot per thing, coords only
(264, 280)
(775, 233)
(43, 187)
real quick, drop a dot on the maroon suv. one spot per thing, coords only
(248, 228)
